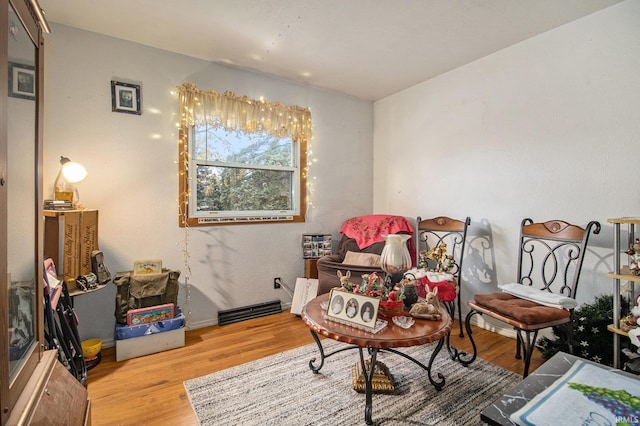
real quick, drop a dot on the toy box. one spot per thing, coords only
(144, 339)
(150, 314)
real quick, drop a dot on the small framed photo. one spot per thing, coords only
(359, 310)
(22, 81)
(125, 97)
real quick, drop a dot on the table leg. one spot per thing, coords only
(323, 355)
(439, 384)
(368, 379)
(321, 349)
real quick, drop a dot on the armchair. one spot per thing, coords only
(361, 245)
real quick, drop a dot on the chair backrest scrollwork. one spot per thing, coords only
(552, 253)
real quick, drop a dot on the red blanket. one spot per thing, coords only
(367, 230)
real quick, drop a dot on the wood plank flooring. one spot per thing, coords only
(149, 390)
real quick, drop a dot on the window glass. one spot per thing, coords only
(240, 176)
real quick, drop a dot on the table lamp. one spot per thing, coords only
(70, 173)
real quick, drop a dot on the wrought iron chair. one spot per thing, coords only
(549, 264)
(453, 232)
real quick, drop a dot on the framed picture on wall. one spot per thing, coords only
(125, 97)
(22, 81)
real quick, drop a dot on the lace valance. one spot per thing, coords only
(241, 113)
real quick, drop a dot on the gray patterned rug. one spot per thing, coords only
(282, 390)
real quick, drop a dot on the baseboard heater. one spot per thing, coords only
(247, 312)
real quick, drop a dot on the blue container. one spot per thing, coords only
(124, 332)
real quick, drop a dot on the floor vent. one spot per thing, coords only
(247, 312)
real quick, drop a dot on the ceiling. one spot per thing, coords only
(368, 49)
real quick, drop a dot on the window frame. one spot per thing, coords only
(188, 218)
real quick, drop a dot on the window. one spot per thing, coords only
(241, 161)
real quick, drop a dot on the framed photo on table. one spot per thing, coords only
(125, 97)
(356, 309)
(22, 81)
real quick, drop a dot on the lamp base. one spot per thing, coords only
(64, 195)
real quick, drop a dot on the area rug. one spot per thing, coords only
(282, 390)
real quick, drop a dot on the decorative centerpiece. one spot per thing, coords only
(391, 301)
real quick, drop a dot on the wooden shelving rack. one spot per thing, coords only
(620, 273)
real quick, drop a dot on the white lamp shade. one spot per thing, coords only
(73, 172)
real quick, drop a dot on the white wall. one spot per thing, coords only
(132, 164)
(547, 129)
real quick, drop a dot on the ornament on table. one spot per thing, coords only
(430, 308)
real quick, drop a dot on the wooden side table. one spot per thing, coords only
(392, 336)
(311, 268)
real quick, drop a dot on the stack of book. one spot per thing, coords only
(57, 205)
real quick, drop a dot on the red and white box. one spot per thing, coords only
(150, 314)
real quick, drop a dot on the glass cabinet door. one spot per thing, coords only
(21, 193)
(21, 290)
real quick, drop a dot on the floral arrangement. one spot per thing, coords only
(634, 257)
(391, 300)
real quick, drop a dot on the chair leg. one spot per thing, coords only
(451, 310)
(454, 353)
(462, 356)
(570, 332)
(460, 312)
(528, 345)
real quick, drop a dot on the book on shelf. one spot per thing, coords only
(58, 205)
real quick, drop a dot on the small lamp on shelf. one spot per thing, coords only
(70, 173)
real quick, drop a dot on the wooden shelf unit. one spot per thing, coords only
(78, 239)
(620, 273)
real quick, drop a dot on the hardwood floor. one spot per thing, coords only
(149, 390)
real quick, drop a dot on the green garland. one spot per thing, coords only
(592, 340)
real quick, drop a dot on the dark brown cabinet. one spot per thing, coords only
(31, 378)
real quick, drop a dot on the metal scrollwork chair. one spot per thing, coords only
(549, 264)
(453, 232)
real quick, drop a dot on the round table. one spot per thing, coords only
(392, 336)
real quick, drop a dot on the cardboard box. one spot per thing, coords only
(150, 344)
(80, 238)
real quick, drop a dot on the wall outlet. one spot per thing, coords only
(276, 283)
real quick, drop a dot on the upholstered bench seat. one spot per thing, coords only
(518, 312)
